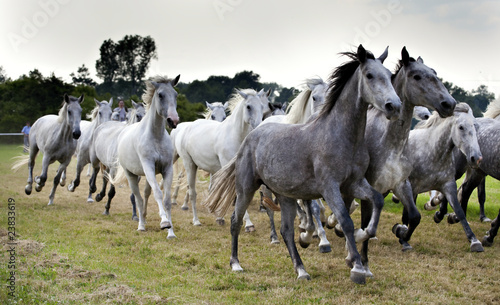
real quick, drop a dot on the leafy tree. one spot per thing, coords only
(246, 79)
(3, 75)
(107, 65)
(82, 77)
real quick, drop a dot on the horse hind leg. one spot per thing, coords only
(134, 208)
(62, 181)
(481, 196)
(31, 164)
(324, 244)
(111, 195)
(411, 216)
(40, 180)
(60, 171)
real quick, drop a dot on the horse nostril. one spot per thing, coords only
(76, 135)
(447, 105)
(389, 107)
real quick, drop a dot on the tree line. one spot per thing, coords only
(122, 67)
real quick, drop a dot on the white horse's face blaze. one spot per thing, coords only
(376, 88)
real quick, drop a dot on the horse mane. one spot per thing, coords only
(236, 98)
(339, 78)
(435, 119)
(149, 92)
(400, 66)
(493, 109)
(93, 114)
(63, 113)
(297, 106)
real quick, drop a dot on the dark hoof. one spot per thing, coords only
(135, 218)
(452, 219)
(27, 190)
(437, 217)
(325, 249)
(485, 219)
(106, 212)
(405, 246)
(399, 230)
(303, 244)
(250, 229)
(486, 241)
(184, 208)
(38, 188)
(395, 199)
(358, 277)
(476, 247)
(98, 197)
(220, 222)
(339, 233)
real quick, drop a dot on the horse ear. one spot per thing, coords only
(110, 103)
(384, 55)
(243, 94)
(176, 80)
(361, 54)
(283, 107)
(155, 84)
(209, 105)
(268, 92)
(405, 56)
(97, 102)
(66, 98)
(226, 104)
(134, 104)
(420, 60)
(81, 98)
(271, 106)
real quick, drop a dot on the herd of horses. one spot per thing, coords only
(345, 139)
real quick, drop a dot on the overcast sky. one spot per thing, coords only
(284, 41)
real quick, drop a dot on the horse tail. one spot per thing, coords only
(19, 162)
(222, 192)
(119, 177)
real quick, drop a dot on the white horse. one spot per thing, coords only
(103, 151)
(100, 114)
(55, 136)
(145, 149)
(209, 145)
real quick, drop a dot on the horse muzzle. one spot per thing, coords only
(172, 122)
(77, 134)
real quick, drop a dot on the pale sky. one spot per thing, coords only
(285, 41)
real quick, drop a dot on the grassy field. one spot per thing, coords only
(69, 253)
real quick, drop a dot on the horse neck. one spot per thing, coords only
(438, 140)
(65, 130)
(348, 116)
(153, 122)
(399, 130)
(234, 124)
(300, 111)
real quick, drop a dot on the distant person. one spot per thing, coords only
(26, 133)
(122, 111)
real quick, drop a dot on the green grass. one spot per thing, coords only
(71, 254)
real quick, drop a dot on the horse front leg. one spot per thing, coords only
(471, 181)
(411, 217)
(324, 244)
(149, 172)
(191, 169)
(490, 235)
(449, 190)
(481, 197)
(133, 182)
(79, 167)
(334, 200)
(62, 181)
(40, 180)
(60, 171)
(167, 185)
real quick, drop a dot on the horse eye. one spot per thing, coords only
(160, 95)
(248, 107)
(213, 117)
(417, 77)
(69, 112)
(314, 98)
(461, 127)
(369, 76)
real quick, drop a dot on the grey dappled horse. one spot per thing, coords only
(100, 114)
(56, 137)
(324, 158)
(103, 152)
(431, 146)
(209, 145)
(387, 141)
(145, 149)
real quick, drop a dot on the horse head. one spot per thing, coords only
(74, 114)
(464, 134)
(421, 86)
(253, 109)
(165, 98)
(375, 83)
(217, 111)
(104, 110)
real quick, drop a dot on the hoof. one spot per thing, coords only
(171, 235)
(90, 200)
(429, 207)
(135, 218)
(63, 183)
(437, 217)
(106, 212)
(275, 241)
(476, 247)
(98, 197)
(325, 249)
(71, 188)
(165, 225)
(358, 276)
(141, 228)
(452, 219)
(399, 230)
(50, 202)
(485, 219)
(486, 241)
(331, 222)
(250, 229)
(27, 189)
(304, 277)
(395, 199)
(38, 188)
(236, 267)
(406, 247)
(184, 208)
(338, 232)
(197, 223)
(220, 222)
(303, 244)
